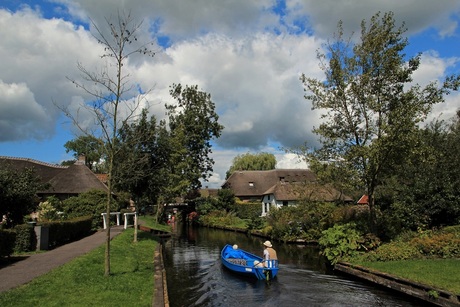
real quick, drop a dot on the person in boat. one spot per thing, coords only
(269, 252)
(236, 253)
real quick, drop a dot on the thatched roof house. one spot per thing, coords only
(281, 187)
(64, 181)
(252, 185)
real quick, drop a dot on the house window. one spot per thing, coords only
(285, 203)
(282, 179)
(268, 197)
(251, 184)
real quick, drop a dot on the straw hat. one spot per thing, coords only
(268, 244)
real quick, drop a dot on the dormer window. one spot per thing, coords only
(251, 184)
(282, 179)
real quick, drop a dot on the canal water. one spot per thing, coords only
(196, 277)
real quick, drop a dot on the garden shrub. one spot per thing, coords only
(393, 251)
(26, 239)
(339, 242)
(91, 203)
(445, 245)
(218, 218)
(61, 232)
(7, 241)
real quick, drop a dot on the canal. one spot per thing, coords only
(196, 277)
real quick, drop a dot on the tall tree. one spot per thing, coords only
(116, 98)
(262, 161)
(193, 123)
(140, 167)
(372, 107)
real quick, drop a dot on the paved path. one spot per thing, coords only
(24, 271)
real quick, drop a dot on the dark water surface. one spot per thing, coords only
(196, 277)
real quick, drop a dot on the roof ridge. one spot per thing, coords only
(34, 161)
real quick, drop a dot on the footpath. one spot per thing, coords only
(23, 271)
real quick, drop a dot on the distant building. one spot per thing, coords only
(280, 187)
(64, 181)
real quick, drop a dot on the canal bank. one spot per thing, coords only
(426, 293)
(160, 297)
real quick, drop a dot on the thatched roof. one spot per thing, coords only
(68, 180)
(307, 191)
(256, 183)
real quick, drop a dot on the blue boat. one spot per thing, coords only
(243, 262)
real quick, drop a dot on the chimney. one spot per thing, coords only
(81, 160)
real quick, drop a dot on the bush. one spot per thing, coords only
(339, 242)
(247, 210)
(26, 240)
(219, 218)
(444, 243)
(91, 203)
(393, 251)
(7, 241)
(61, 232)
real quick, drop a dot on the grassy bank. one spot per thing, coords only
(439, 273)
(150, 221)
(81, 282)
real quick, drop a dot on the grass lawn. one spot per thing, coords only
(439, 273)
(150, 221)
(81, 282)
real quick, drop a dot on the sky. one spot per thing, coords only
(248, 55)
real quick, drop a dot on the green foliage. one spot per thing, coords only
(252, 162)
(25, 238)
(393, 251)
(226, 199)
(371, 108)
(61, 232)
(339, 242)
(7, 241)
(305, 221)
(247, 210)
(81, 282)
(91, 203)
(142, 160)
(219, 218)
(444, 243)
(206, 205)
(18, 192)
(193, 123)
(89, 146)
(425, 191)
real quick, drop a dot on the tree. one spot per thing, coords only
(89, 146)
(252, 162)
(18, 193)
(373, 110)
(116, 98)
(164, 161)
(142, 161)
(427, 188)
(193, 123)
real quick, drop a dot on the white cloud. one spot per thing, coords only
(21, 117)
(40, 53)
(239, 51)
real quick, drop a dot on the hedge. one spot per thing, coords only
(62, 232)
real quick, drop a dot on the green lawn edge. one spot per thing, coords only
(443, 274)
(81, 282)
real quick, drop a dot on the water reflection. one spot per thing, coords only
(196, 276)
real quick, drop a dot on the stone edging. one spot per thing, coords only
(420, 291)
(160, 297)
